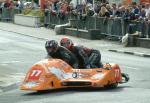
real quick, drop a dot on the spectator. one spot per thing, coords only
(119, 5)
(148, 17)
(80, 8)
(47, 5)
(135, 9)
(128, 15)
(97, 6)
(55, 6)
(7, 4)
(2, 5)
(142, 13)
(70, 7)
(21, 5)
(104, 12)
(63, 10)
(120, 12)
(108, 7)
(33, 5)
(12, 5)
(89, 10)
(89, 1)
(114, 9)
(147, 9)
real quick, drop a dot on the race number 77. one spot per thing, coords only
(35, 73)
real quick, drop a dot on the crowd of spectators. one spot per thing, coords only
(8, 5)
(100, 9)
(18, 4)
(84, 8)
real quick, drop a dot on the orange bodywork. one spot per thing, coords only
(145, 1)
(55, 73)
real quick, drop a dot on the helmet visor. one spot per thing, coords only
(50, 50)
(66, 44)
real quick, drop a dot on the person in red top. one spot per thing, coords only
(7, 4)
(87, 58)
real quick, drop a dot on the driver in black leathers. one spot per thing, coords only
(87, 58)
(59, 52)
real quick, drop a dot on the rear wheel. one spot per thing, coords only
(125, 77)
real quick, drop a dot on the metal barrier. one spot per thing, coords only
(108, 26)
(149, 30)
(112, 27)
(51, 19)
(90, 23)
(140, 26)
(47, 18)
(117, 26)
(8, 14)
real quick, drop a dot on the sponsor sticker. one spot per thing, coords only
(74, 75)
(31, 84)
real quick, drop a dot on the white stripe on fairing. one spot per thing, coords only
(60, 74)
(98, 76)
(68, 75)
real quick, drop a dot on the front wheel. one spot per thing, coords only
(112, 86)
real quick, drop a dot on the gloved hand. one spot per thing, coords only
(88, 66)
(75, 66)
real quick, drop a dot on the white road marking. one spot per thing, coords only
(4, 64)
(29, 46)
(130, 67)
(12, 51)
(11, 79)
(5, 40)
(8, 62)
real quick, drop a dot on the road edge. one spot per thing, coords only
(131, 53)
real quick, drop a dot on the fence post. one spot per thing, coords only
(122, 26)
(148, 32)
(95, 22)
(147, 29)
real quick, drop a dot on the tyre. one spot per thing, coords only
(112, 86)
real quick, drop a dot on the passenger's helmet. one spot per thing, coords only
(66, 42)
(51, 46)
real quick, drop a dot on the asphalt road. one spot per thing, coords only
(18, 53)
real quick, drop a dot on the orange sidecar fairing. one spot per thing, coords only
(55, 73)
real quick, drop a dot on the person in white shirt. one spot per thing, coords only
(147, 9)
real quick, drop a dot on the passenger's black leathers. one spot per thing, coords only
(95, 59)
(87, 58)
(66, 55)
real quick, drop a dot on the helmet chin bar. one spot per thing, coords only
(51, 50)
